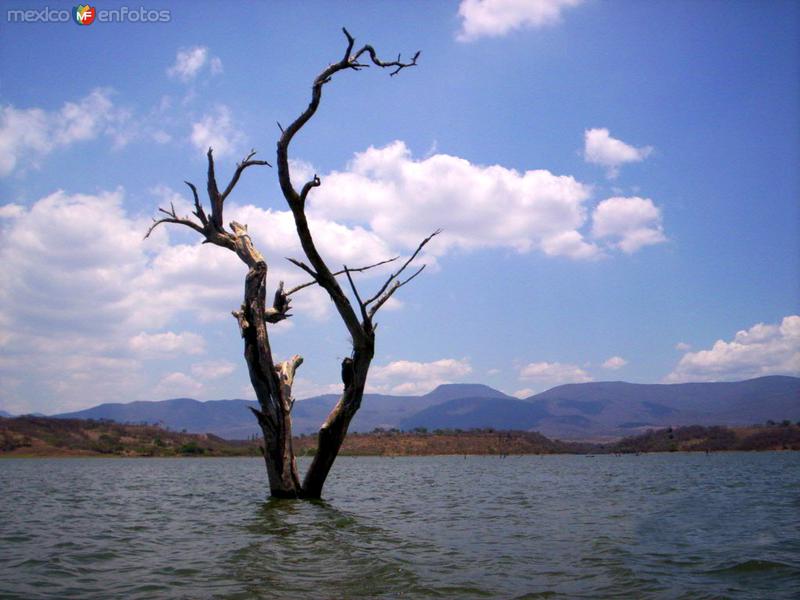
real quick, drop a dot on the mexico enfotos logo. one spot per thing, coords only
(85, 14)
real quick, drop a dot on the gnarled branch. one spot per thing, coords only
(319, 269)
(173, 218)
(385, 292)
(211, 228)
(240, 167)
(337, 273)
(281, 304)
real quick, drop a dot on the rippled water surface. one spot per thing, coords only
(656, 526)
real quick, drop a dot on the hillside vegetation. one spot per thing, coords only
(44, 436)
(695, 438)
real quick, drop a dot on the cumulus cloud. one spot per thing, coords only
(28, 134)
(764, 349)
(213, 369)
(11, 211)
(494, 18)
(550, 374)
(682, 346)
(190, 61)
(178, 384)
(217, 130)
(614, 363)
(160, 345)
(602, 149)
(524, 393)
(402, 200)
(629, 223)
(79, 279)
(410, 377)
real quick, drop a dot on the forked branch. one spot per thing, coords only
(393, 282)
(337, 273)
(349, 61)
(318, 269)
(212, 228)
(172, 217)
(240, 167)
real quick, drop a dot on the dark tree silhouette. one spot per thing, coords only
(271, 380)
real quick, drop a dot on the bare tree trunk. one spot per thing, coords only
(334, 430)
(274, 395)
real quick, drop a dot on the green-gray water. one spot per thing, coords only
(654, 526)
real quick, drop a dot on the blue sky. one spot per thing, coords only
(617, 182)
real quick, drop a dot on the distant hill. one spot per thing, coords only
(232, 420)
(575, 411)
(5, 414)
(477, 413)
(616, 408)
(619, 408)
(453, 391)
(229, 419)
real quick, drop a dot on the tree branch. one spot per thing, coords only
(198, 207)
(211, 228)
(281, 304)
(247, 162)
(315, 182)
(397, 273)
(361, 306)
(337, 273)
(305, 268)
(398, 64)
(213, 192)
(173, 218)
(396, 286)
(322, 274)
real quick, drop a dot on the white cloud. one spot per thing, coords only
(79, 280)
(407, 377)
(524, 393)
(27, 135)
(213, 369)
(632, 222)
(552, 374)
(190, 61)
(764, 349)
(217, 130)
(493, 18)
(602, 149)
(614, 363)
(11, 211)
(162, 345)
(178, 384)
(402, 200)
(682, 346)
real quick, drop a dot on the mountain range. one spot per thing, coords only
(572, 411)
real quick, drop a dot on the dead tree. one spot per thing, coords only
(272, 381)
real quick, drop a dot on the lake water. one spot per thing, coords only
(652, 526)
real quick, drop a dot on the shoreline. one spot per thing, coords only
(42, 437)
